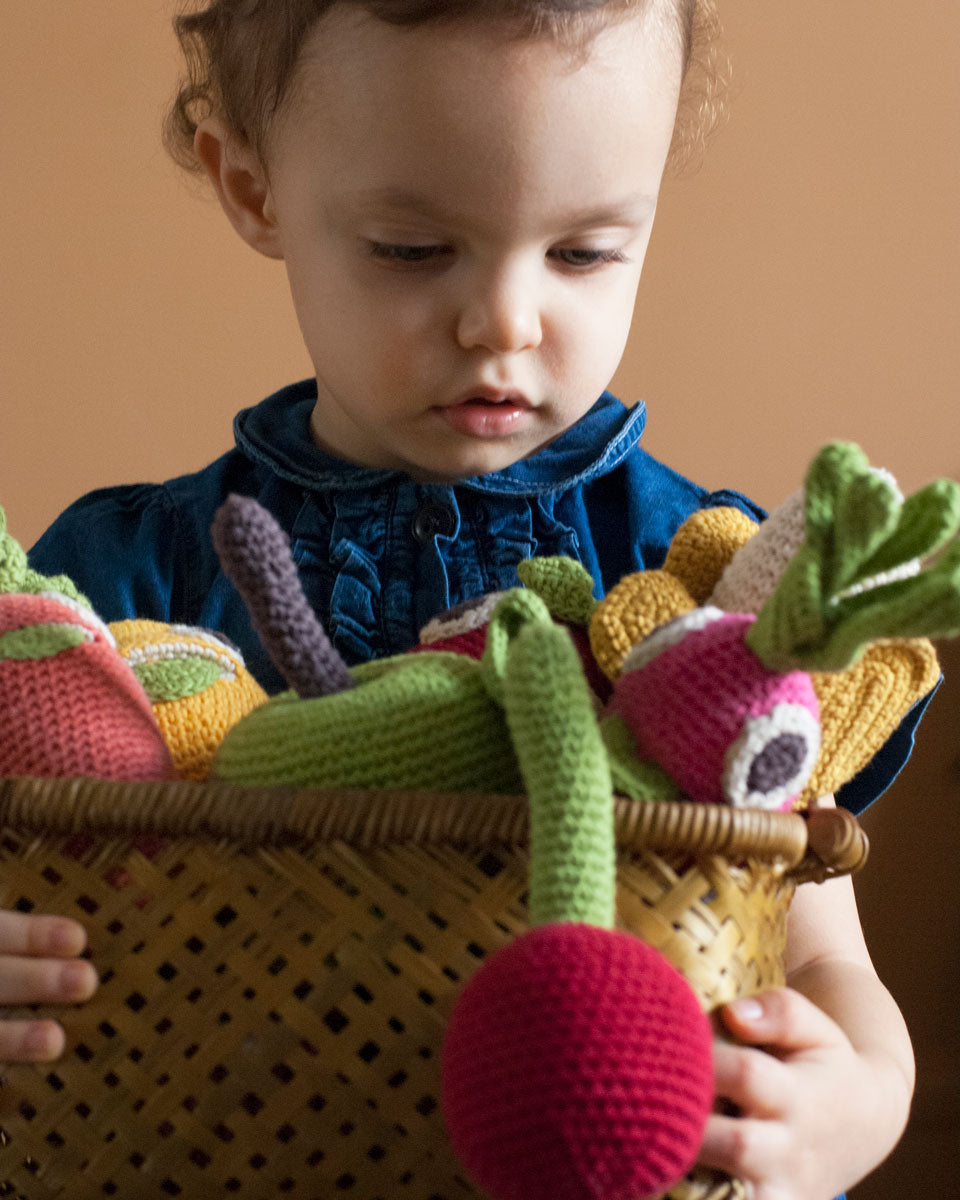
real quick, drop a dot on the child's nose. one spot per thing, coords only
(502, 315)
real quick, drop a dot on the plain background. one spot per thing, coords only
(801, 285)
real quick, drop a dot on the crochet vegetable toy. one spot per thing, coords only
(69, 704)
(197, 682)
(712, 705)
(553, 1081)
(577, 1060)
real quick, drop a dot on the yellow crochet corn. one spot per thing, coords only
(197, 683)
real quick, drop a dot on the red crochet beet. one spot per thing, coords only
(577, 1065)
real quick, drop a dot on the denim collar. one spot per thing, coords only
(276, 433)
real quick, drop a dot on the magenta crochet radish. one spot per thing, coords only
(724, 726)
(577, 1061)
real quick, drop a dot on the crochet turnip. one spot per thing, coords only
(846, 582)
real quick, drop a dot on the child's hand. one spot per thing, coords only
(39, 965)
(810, 1107)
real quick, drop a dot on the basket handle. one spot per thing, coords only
(836, 845)
(824, 843)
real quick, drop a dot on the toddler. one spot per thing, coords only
(462, 193)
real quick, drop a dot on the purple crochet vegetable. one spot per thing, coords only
(255, 555)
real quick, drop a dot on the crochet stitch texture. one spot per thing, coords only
(197, 683)
(72, 706)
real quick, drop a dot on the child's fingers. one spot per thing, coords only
(45, 981)
(756, 1082)
(40, 936)
(30, 1041)
(782, 1021)
(745, 1148)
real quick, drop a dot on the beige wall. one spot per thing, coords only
(802, 285)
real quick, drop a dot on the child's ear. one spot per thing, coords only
(241, 185)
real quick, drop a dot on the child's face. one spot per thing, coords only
(464, 220)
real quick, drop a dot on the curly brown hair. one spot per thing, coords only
(241, 58)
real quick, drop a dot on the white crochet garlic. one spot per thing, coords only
(754, 571)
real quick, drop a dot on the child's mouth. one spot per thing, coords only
(487, 414)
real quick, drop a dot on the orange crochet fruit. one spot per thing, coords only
(197, 682)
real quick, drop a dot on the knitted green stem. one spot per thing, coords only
(551, 719)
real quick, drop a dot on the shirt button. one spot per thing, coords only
(433, 519)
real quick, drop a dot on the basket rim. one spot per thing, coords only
(276, 816)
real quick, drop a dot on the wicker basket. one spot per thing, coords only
(278, 967)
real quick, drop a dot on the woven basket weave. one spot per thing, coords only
(278, 966)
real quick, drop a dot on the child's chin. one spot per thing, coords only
(478, 459)
(446, 468)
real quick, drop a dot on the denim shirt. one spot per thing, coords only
(379, 553)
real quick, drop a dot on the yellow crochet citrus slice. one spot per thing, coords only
(198, 686)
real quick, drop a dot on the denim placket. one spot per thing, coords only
(434, 529)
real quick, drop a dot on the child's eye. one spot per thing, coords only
(412, 255)
(571, 257)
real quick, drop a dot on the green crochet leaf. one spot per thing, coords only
(39, 641)
(925, 605)
(13, 559)
(928, 520)
(872, 566)
(564, 585)
(866, 514)
(35, 583)
(177, 678)
(17, 576)
(563, 760)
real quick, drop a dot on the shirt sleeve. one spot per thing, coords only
(874, 779)
(728, 498)
(118, 545)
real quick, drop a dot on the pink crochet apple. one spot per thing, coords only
(69, 704)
